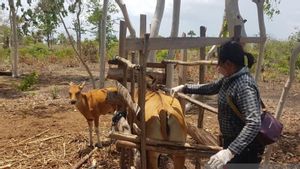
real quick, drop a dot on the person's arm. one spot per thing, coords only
(203, 89)
(248, 103)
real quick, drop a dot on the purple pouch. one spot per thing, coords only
(270, 130)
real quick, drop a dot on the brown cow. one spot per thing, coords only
(164, 121)
(91, 105)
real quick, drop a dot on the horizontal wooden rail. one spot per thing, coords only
(198, 62)
(192, 153)
(182, 42)
(132, 141)
(198, 103)
(127, 62)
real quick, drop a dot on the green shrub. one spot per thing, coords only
(54, 92)
(161, 55)
(38, 50)
(66, 52)
(4, 54)
(28, 81)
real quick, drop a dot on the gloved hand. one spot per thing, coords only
(218, 160)
(176, 89)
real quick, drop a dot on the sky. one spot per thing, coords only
(209, 13)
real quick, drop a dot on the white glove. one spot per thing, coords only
(218, 160)
(176, 89)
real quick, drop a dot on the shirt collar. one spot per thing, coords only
(242, 71)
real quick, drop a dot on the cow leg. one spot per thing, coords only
(90, 122)
(178, 162)
(152, 159)
(98, 144)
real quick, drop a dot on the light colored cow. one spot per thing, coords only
(164, 121)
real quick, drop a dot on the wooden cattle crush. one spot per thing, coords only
(131, 71)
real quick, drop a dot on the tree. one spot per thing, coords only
(95, 11)
(62, 39)
(155, 25)
(174, 33)
(76, 7)
(270, 8)
(47, 17)
(103, 43)
(14, 38)
(191, 33)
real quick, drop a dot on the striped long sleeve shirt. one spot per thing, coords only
(242, 89)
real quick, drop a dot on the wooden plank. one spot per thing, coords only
(193, 63)
(198, 103)
(159, 43)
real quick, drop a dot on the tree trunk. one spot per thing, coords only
(78, 30)
(155, 25)
(126, 17)
(103, 44)
(233, 17)
(174, 33)
(14, 38)
(263, 36)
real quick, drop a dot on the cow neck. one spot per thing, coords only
(82, 101)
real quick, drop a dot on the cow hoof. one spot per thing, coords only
(99, 145)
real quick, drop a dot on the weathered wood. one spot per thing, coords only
(199, 62)
(198, 103)
(141, 97)
(187, 152)
(201, 136)
(117, 74)
(128, 63)
(182, 42)
(83, 160)
(202, 69)
(136, 139)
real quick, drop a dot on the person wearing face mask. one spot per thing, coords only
(238, 134)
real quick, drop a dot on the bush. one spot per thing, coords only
(28, 81)
(38, 50)
(161, 55)
(4, 54)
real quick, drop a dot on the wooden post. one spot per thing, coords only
(142, 88)
(201, 81)
(202, 69)
(122, 52)
(183, 73)
(142, 94)
(132, 89)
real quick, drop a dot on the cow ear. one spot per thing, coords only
(82, 85)
(71, 83)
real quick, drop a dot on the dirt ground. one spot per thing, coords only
(40, 129)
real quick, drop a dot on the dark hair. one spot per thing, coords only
(234, 52)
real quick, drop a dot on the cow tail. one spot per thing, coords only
(163, 116)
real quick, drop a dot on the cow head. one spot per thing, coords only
(75, 91)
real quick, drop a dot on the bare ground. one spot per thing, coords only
(41, 131)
